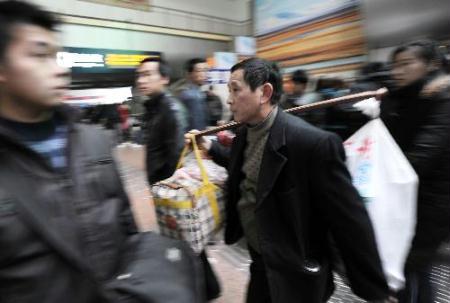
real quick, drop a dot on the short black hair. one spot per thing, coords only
(13, 12)
(425, 49)
(191, 63)
(258, 72)
(299, 76)
(164, 68)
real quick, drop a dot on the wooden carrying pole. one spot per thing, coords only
(304, 108)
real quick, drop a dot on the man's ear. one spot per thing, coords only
(267, 92)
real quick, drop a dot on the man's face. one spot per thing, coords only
(299, 88)
(149, 81)
(198, 74)
(245, 104)
(29, 73)
(408, 68)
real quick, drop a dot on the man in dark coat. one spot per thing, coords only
(288, 190)
(164, 126)
(417, 113)
(163, 122)
(66, 227)
(64, 216)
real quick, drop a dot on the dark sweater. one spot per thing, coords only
(256, 142)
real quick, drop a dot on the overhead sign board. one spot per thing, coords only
(94, 60)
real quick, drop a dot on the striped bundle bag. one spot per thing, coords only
(190, 205)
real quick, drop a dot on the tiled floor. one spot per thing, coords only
(231, 262)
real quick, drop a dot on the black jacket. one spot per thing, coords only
(304, 194)
(163, 126)
(419, 120)
(61, 234)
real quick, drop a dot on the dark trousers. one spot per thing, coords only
(258, 288)
(211, 282)
(432, 230)
(418, 286)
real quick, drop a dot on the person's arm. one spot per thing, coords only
(151, 169)
(163, 150)
(433, 137)
(220, 154)
(343, 210)
(173, 140)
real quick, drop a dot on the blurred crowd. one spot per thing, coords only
(66, 227)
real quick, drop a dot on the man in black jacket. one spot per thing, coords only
(417, 114)
(164, 128)
(163, 119)
(67, 233)
(64, 216)
(288, 190)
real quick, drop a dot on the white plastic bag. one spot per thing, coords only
(388, 184)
